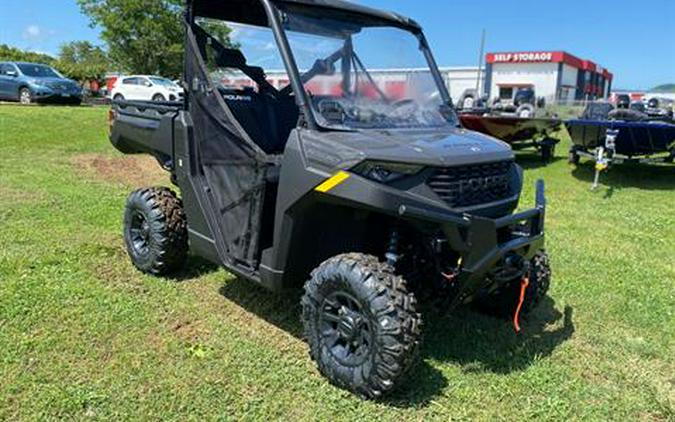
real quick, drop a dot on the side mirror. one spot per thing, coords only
(12, 73)
(148, 84)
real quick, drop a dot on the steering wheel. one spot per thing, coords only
(332, 110)
(404, 108)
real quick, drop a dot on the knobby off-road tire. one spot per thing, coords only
(155, 230)
(503, 302)
(361, 324)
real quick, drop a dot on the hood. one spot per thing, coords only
(451, 147)
(55, 82)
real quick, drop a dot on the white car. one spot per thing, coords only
(146, 88)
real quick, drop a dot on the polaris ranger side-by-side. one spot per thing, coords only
(367, 186)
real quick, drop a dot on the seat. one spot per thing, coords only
(266, 119)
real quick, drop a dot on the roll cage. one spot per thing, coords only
(270, 14)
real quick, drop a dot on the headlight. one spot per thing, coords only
(386, 172)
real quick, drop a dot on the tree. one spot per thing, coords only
(81, 60)
(664, 88)
(143, 36)
(13, 54)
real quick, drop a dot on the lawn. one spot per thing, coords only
(83, 335)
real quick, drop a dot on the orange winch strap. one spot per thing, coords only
(523, 286)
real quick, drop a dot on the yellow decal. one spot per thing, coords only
(333, 181)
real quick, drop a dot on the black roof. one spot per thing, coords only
(252, 12)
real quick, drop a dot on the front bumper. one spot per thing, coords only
(481, 243)
(44, 94)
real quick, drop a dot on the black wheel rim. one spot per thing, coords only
(345, 329)
(139, 233)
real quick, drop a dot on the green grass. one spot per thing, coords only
(85, 336)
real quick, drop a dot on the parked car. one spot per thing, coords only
(33, 82)
(623, 101)
(523, 103)
(146, 88)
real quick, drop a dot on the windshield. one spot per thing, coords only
(162, 82)
(362, 75)
(38, 71)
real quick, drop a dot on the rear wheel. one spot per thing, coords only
(361, 323)
(504, 301)
(155, 230)
(25, 96)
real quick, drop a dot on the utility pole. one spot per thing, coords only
(480, 65)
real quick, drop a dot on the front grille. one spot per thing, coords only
(475, 184)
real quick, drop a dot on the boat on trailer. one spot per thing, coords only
(519, 132)
(614, 136)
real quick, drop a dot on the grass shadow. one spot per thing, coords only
(194, 268)
(280, 309)
(482, 343)
(532, 160)
(472, 340)
(627, 175)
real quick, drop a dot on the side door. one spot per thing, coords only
(7, 81)
(129, 88)
(144, 89)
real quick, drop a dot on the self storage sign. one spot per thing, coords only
(529, 57)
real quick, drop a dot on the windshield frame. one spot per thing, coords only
(277, 15)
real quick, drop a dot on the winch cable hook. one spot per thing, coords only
(524, 282)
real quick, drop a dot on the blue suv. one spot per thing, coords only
(31, 82)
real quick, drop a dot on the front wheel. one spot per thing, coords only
(25, 96)
(361, 323)
(158, 98)
(155, 230)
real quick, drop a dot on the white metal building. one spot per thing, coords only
(556, 76)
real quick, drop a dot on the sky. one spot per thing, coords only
(634, 39)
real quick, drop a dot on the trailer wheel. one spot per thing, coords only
(361, 324)
(155, 230)
(573, 158)
(547, 152)
(503, 302)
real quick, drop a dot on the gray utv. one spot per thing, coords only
(317, 144)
